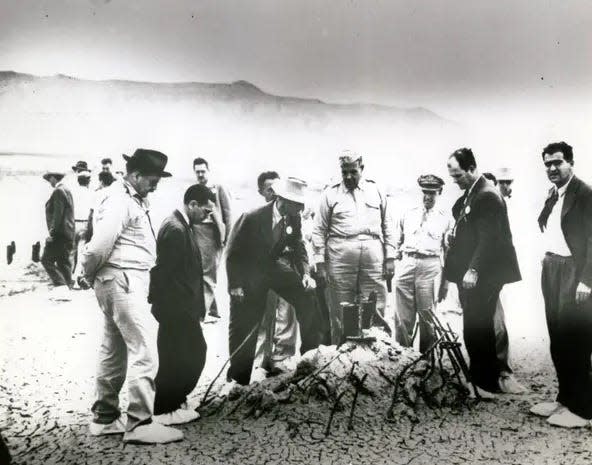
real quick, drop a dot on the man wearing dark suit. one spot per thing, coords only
(266, 251)
(566, 223)
(177, 297)
(59, 215)
(480, 261)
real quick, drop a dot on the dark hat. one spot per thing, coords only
(57, 174)
(149, 162)
(429, 182)
(80, 165)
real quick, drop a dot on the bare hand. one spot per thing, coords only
(443, 291)
(582, 293)
(237, 294)
(308, 282)
(84, 283)
(470, 279)
(389, 268)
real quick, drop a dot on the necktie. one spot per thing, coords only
(278, 230)
(548, 208)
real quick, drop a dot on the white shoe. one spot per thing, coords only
(546, 409)
(178, 417)
(117, 426)
(567, 419)
(60, 294)
(153, 433)
(510, 385)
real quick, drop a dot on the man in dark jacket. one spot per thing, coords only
(566, 221)
(266, 251)
(59, 215)
(481, 259)
(177, 297)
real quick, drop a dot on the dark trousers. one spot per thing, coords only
(478, 306)
(57, 261)
(570, 333)
(182, 356)
(244, 316)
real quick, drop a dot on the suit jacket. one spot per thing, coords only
(59, 214)
(222, 215)
(176, 282)
(252, 252)
(576, 224)
(483, 240)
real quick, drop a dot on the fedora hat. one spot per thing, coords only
(57, 174)
(292, 189)
(80, 165)
(150, 162)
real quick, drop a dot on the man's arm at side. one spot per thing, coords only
(226, 211)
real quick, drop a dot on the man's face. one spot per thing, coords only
(106, 168)
(52, 181)
(267, 191)
(505, 188)
(145, 183)
(198, 212)
(429, 198)
(351, 173)
(558, 170)
(287, 207)
(463, 178)
(201, 173)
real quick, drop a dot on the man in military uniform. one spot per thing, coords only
(353, 239)
(420, 234)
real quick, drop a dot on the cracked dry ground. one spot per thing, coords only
(46, 389)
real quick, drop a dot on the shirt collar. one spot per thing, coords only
(277, 216)
(131, 190)
(561, 190)
(473, 186)
(361, 186)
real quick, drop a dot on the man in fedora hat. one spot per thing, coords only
(59, 215)
(353, 240)
(117, 261)
(266, 251)
(420, 233)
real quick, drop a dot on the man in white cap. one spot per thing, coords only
(353, 239)
(266, 251)
(420, 234)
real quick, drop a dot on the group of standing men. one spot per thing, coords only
(355, 245)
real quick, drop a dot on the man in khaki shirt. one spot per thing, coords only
(353, 240)
(117, 261)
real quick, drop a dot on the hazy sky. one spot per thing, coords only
(392, 51)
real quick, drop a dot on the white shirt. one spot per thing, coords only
(83, 199)
(277, 216)
(427, 238)
(553, 237)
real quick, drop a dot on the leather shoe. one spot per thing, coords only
(510, 385)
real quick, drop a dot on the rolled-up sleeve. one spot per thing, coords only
(111, 217)
(320, 229)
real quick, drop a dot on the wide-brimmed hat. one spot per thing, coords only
(150, 162)
(292, 189)
(504, 174)
(80, 165)
(57, 174)
(430, 182)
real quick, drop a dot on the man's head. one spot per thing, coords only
(431, 187)
(106, 178)
(199, 203)
(490, 178)
(201, 169)
(505, 180)
(83, 178)
(558, 159)
(265, 184)
(290, 195)
(53, 177)
(351, 169)
(144, 170)
(462, 168)
(106, 164)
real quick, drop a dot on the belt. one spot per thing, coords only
(420, 255)
(551, 254)
(81, 221)
(359, 237)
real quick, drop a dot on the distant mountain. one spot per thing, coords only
(236, 121)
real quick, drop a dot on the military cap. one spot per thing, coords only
(430, 182)
(349, 157)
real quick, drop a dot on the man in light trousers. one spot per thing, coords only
(117, 261)
(353, 240)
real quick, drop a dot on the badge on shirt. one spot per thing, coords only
(467, 209)
(289, 230)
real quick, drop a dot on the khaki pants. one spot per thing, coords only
(355, 267)
(417, 281)
(128, 346)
